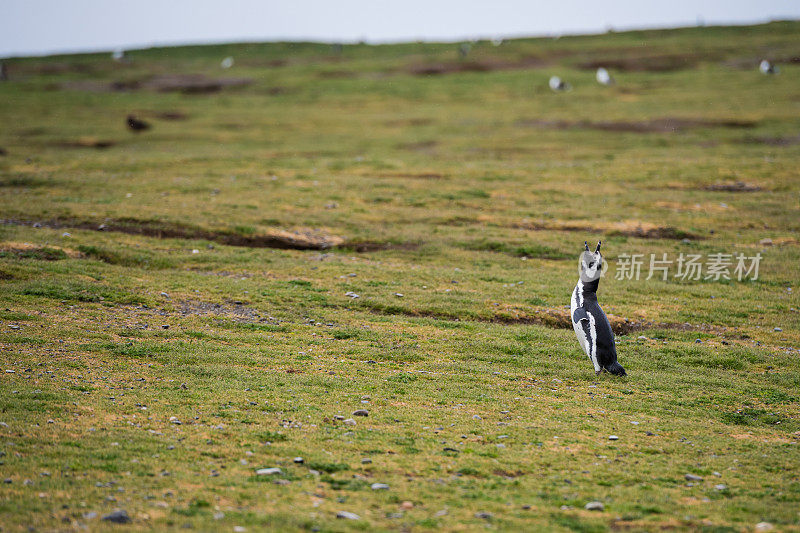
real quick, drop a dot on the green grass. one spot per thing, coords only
(455, 204)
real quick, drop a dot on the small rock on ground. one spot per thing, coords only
(118, 517)
(594, 506)
(360, 412)
(268, 471)
(347, 515)
(379, 486)
(692, 477)
(764, 526)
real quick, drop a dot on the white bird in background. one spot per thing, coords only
(227, 62)
(767, 68)
(557, 84)
(603, 77)
(118, 55)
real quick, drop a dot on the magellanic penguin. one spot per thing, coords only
(557, 84)
(767, 68)
(603, 77)
(589, 321)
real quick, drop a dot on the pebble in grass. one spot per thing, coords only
(346, 515)
(118, 517)
(692, 477)
(360, 412)
(268, 471)
(594, 506)
(379, 486)
(613, 437)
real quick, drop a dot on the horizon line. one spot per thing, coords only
(389, 42)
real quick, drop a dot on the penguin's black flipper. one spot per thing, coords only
(579, 314)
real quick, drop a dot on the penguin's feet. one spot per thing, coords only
(597, 372)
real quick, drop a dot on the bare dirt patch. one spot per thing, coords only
(648, 63)
(773, 141)
(555, 318)
(696, 207)
(479, 65)
(658, 125)
(335, 74)
(409, 122)
(193, 83)
(421, 146)
(376, 246)
(733, 186)
(85, 142)
(169, 115)
(294, 240)
(183, 83)
(643, 230)
(236, 311)
(280, 239)
(413, 175)
(34, 251)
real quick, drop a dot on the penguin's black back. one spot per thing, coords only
(606, 349)
(604, 335)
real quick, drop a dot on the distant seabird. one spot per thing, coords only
(136, 125)
(603, 77)
(767, 68)
(558, 85)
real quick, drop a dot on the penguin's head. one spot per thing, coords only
(591, 264)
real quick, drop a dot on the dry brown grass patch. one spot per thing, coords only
(23, 248)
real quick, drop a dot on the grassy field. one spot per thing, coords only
(178, 309)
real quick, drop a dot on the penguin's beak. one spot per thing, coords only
(586, 245)
(598, 246)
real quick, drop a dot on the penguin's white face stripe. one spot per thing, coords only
(591, 265)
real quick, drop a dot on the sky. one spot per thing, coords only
(38, 27)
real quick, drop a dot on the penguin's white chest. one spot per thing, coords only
(584, 328)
